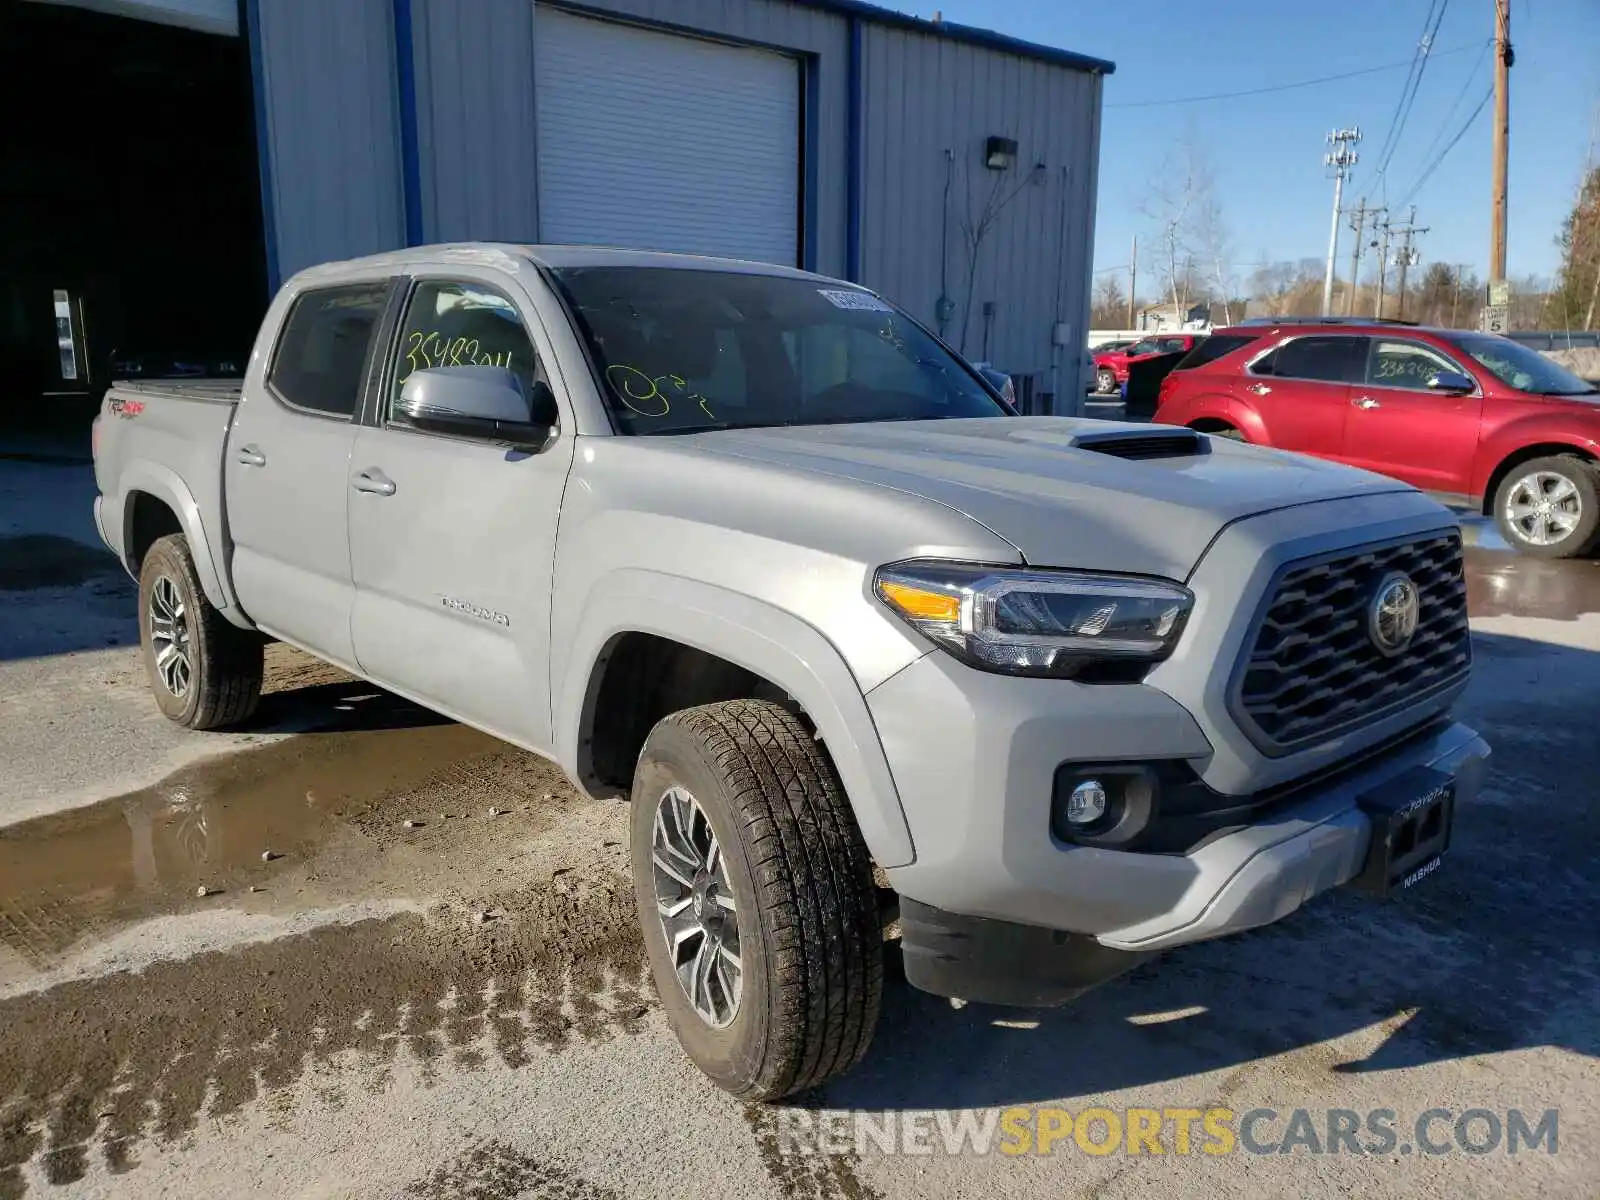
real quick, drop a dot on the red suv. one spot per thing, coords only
(1111, 366)
(1476, 419)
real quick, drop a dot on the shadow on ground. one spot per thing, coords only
(59, 595)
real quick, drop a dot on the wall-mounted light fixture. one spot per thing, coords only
(1000, 154)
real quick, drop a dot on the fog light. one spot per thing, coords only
(1087, 803)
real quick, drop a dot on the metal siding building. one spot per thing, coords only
(387, 122)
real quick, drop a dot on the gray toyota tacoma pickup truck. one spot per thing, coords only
(753, 548)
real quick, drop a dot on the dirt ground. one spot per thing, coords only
(414, 972)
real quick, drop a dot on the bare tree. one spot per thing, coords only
(1531, 297)
(1286, 288)
(1211, 241)
(1170, 205)
(1110, 308)
(979, 222)
(1191, 230)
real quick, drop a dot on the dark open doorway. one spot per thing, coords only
(130, 211)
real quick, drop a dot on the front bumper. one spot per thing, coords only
(974, 755)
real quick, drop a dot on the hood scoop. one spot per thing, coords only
(1140, 444)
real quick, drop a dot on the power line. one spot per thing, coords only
(1405, 88)
(1284, 87)
(1449, 146)
(1408, 94)
(1450, 116)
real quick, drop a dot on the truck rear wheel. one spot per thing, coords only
(756, 899)
(204, 672)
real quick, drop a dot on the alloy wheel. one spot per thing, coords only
(698, 910)
(169, 636)
(1544, 508)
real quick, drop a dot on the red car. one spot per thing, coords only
(1476, 419)
(1111, 366)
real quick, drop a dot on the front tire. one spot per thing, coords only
(1550, 507)
(1105, 381)
(204, 672)
(756, 899)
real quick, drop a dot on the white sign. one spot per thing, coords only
(863, 301)
(1495, 319)
(1499, 293)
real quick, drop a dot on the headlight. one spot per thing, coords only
(1060, 624)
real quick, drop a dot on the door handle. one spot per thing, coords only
(250, 456)
(1366, 402)
(1259, 389)
(374, 482)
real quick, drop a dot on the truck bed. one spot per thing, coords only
(213, 391)
(165, 438)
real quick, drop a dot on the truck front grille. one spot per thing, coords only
(1314, 669)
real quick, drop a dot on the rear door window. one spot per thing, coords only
(1317, 359)
(1209, 349)
(321, 361)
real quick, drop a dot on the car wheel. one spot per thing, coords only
(1550, 507)
(1221, 431)
(1105, 381)
(204, 672)
(756, 899)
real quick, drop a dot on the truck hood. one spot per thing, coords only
(1064, 492)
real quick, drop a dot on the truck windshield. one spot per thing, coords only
(681, 351)
(1518, 367)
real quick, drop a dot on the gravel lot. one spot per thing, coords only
(459, 1008)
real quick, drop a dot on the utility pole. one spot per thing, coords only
(1359, 224)
(1133, 278)
(1408, 256)
(1503, 58)
(1340, 159)
(1381, 244)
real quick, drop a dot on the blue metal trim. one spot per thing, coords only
(405, 69)
(852, 139)
(857, 10)
(250, 22)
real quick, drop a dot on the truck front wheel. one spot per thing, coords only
(756, 899)
(204, 672)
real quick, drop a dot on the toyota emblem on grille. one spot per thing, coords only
(1392, 613)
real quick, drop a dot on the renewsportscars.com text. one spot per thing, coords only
(1046, 1130)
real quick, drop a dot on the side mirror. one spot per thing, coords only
(486, 402)
(1450, 381)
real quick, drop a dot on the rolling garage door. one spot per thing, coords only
(662, 142)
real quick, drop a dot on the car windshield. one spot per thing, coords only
(682, 351)
(1148, 346)
(1519, 367)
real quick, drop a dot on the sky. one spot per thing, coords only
(1266, 150)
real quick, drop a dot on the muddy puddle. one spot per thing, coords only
(252, 820)
(520, 937)
(29, 561)
(1505, 584)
